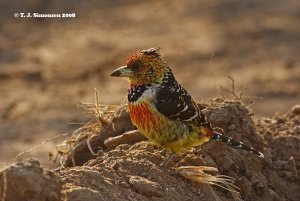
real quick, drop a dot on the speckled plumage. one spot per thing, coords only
(162, 109)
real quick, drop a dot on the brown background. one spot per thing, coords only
(47, 65)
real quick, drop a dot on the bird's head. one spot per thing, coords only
(143, 67)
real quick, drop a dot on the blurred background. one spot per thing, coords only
(47, 65)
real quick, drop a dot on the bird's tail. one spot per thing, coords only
(234, 143)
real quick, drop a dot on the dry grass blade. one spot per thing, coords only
(37, 146)
(199, 175)
(102, 112)
(79, 136)
(103, 116)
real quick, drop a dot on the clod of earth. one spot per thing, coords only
(146, 187)
(29, 181)
(132, 172)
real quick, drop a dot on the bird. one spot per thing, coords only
(163, 110)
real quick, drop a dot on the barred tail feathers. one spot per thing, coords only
(234, 143)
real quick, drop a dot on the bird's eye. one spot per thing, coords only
(136, 66)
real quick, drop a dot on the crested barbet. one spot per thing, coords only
(163, 110)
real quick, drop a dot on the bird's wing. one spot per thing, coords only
(175, 103)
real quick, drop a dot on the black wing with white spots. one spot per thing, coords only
(173, 101)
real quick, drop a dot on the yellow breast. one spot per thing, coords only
(170, 134)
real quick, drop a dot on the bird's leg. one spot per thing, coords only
(167, 160)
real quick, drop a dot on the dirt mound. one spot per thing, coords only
(29, 181)
(128, 173)
(108, 169)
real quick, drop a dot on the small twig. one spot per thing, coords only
(232, 90)
(81, 136)
(62, 161)
(76, 123)
(99, 114)
(73, 152)
(91, 149)
(37, 146)
(97, 108)
(102, 112)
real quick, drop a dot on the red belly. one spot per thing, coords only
(142, 116)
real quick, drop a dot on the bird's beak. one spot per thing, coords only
(123, 71)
